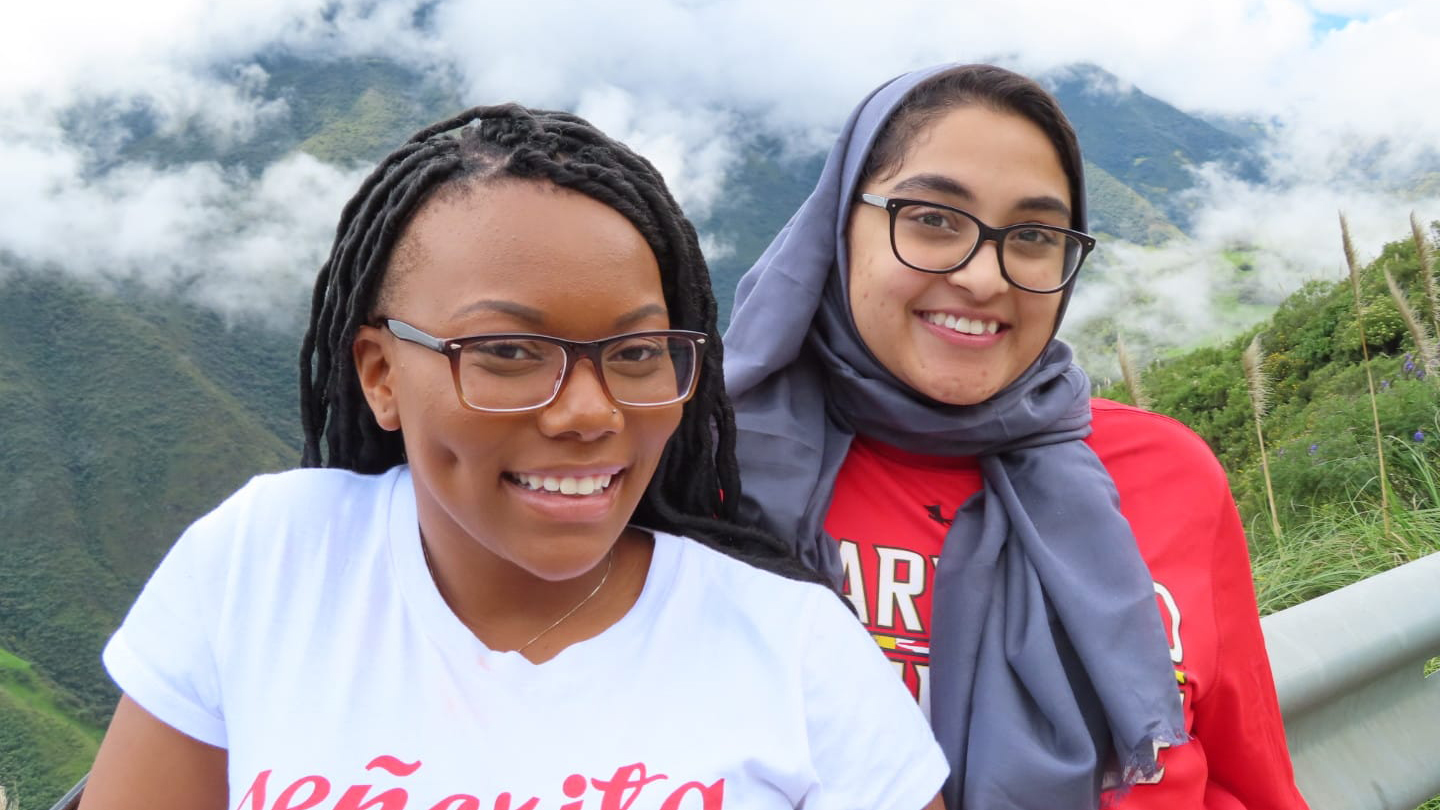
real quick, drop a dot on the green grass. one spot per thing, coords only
(45, 749)
(28, 689)
(1338, 546)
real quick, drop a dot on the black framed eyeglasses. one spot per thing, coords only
(512, 372)
(935, 238)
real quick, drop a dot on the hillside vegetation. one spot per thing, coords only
(1320, 430)
(44, 749)
(128, 418)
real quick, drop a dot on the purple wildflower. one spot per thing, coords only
(1314, 448)
(1419, 436)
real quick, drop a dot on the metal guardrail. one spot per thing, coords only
(71, 800)
(1361, 718)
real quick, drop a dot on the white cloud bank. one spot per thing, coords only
(678, 80)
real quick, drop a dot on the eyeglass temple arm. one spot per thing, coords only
(405, 331)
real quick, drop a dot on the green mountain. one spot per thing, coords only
(129, 417)
(44, 749)
(1146, 144)
(350, 110)
(1118, 211)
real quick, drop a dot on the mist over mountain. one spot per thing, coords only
(1146, 144)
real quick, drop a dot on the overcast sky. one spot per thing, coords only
(1337, 78)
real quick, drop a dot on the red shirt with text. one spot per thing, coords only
(890, 513)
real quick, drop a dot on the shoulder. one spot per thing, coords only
(1111, 420)
(303, 486)
(296, 512)
(1172, 490)
(307, 493)
(723, 585)
(1128, 437)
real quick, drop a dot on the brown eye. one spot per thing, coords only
(936, 218)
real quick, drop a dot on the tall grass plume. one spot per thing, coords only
(1131, 377)
(1425, 254)
(1259, 387)
(1425, 351)
(1354, 268)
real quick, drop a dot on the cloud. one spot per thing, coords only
(1251, 245)
(241, 245)
(686, 82)
(77, 83)
(1354, 8)
(691, 149)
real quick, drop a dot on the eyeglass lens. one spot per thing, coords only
(938, 239)
(516, 373)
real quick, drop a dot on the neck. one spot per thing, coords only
(507, 607)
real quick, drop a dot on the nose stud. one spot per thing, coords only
(614, 411)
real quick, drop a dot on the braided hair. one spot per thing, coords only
(505, 143)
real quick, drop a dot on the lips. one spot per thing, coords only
(962, 324)
(572, 496)
(563, 484)
(573, 483)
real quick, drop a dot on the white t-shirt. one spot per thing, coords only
(297, 627)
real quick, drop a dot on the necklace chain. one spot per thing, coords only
(609, 564)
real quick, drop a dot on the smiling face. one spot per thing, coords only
(961, 337)
(518, 257)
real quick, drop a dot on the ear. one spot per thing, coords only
(371, 350)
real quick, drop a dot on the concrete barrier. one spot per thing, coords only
(1362, 720)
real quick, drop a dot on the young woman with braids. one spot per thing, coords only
(907, 418)
(507, 578)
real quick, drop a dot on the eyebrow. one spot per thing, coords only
(941, 184)
(536, 318)
(937, 183)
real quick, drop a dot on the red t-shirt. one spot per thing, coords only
(890, 513)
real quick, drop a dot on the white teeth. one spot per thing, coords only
(963, 325)
(565, 485)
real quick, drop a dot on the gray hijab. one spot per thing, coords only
(1049, 672)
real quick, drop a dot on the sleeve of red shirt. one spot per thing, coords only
(1175, 495)
(1251, 764)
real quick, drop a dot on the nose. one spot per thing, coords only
(582, 409)
(981, 276)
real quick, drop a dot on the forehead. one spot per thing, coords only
(989, 151)
(575, 261)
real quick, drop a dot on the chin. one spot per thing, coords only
(952, 394)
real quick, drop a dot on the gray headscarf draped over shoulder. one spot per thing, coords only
(1049, 672)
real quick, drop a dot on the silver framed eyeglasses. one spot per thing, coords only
(935, 238)
(518, 371)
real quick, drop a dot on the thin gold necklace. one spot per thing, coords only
(609, 564)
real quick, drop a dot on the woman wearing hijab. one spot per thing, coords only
(908, 419)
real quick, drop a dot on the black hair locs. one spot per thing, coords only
(504, 143)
